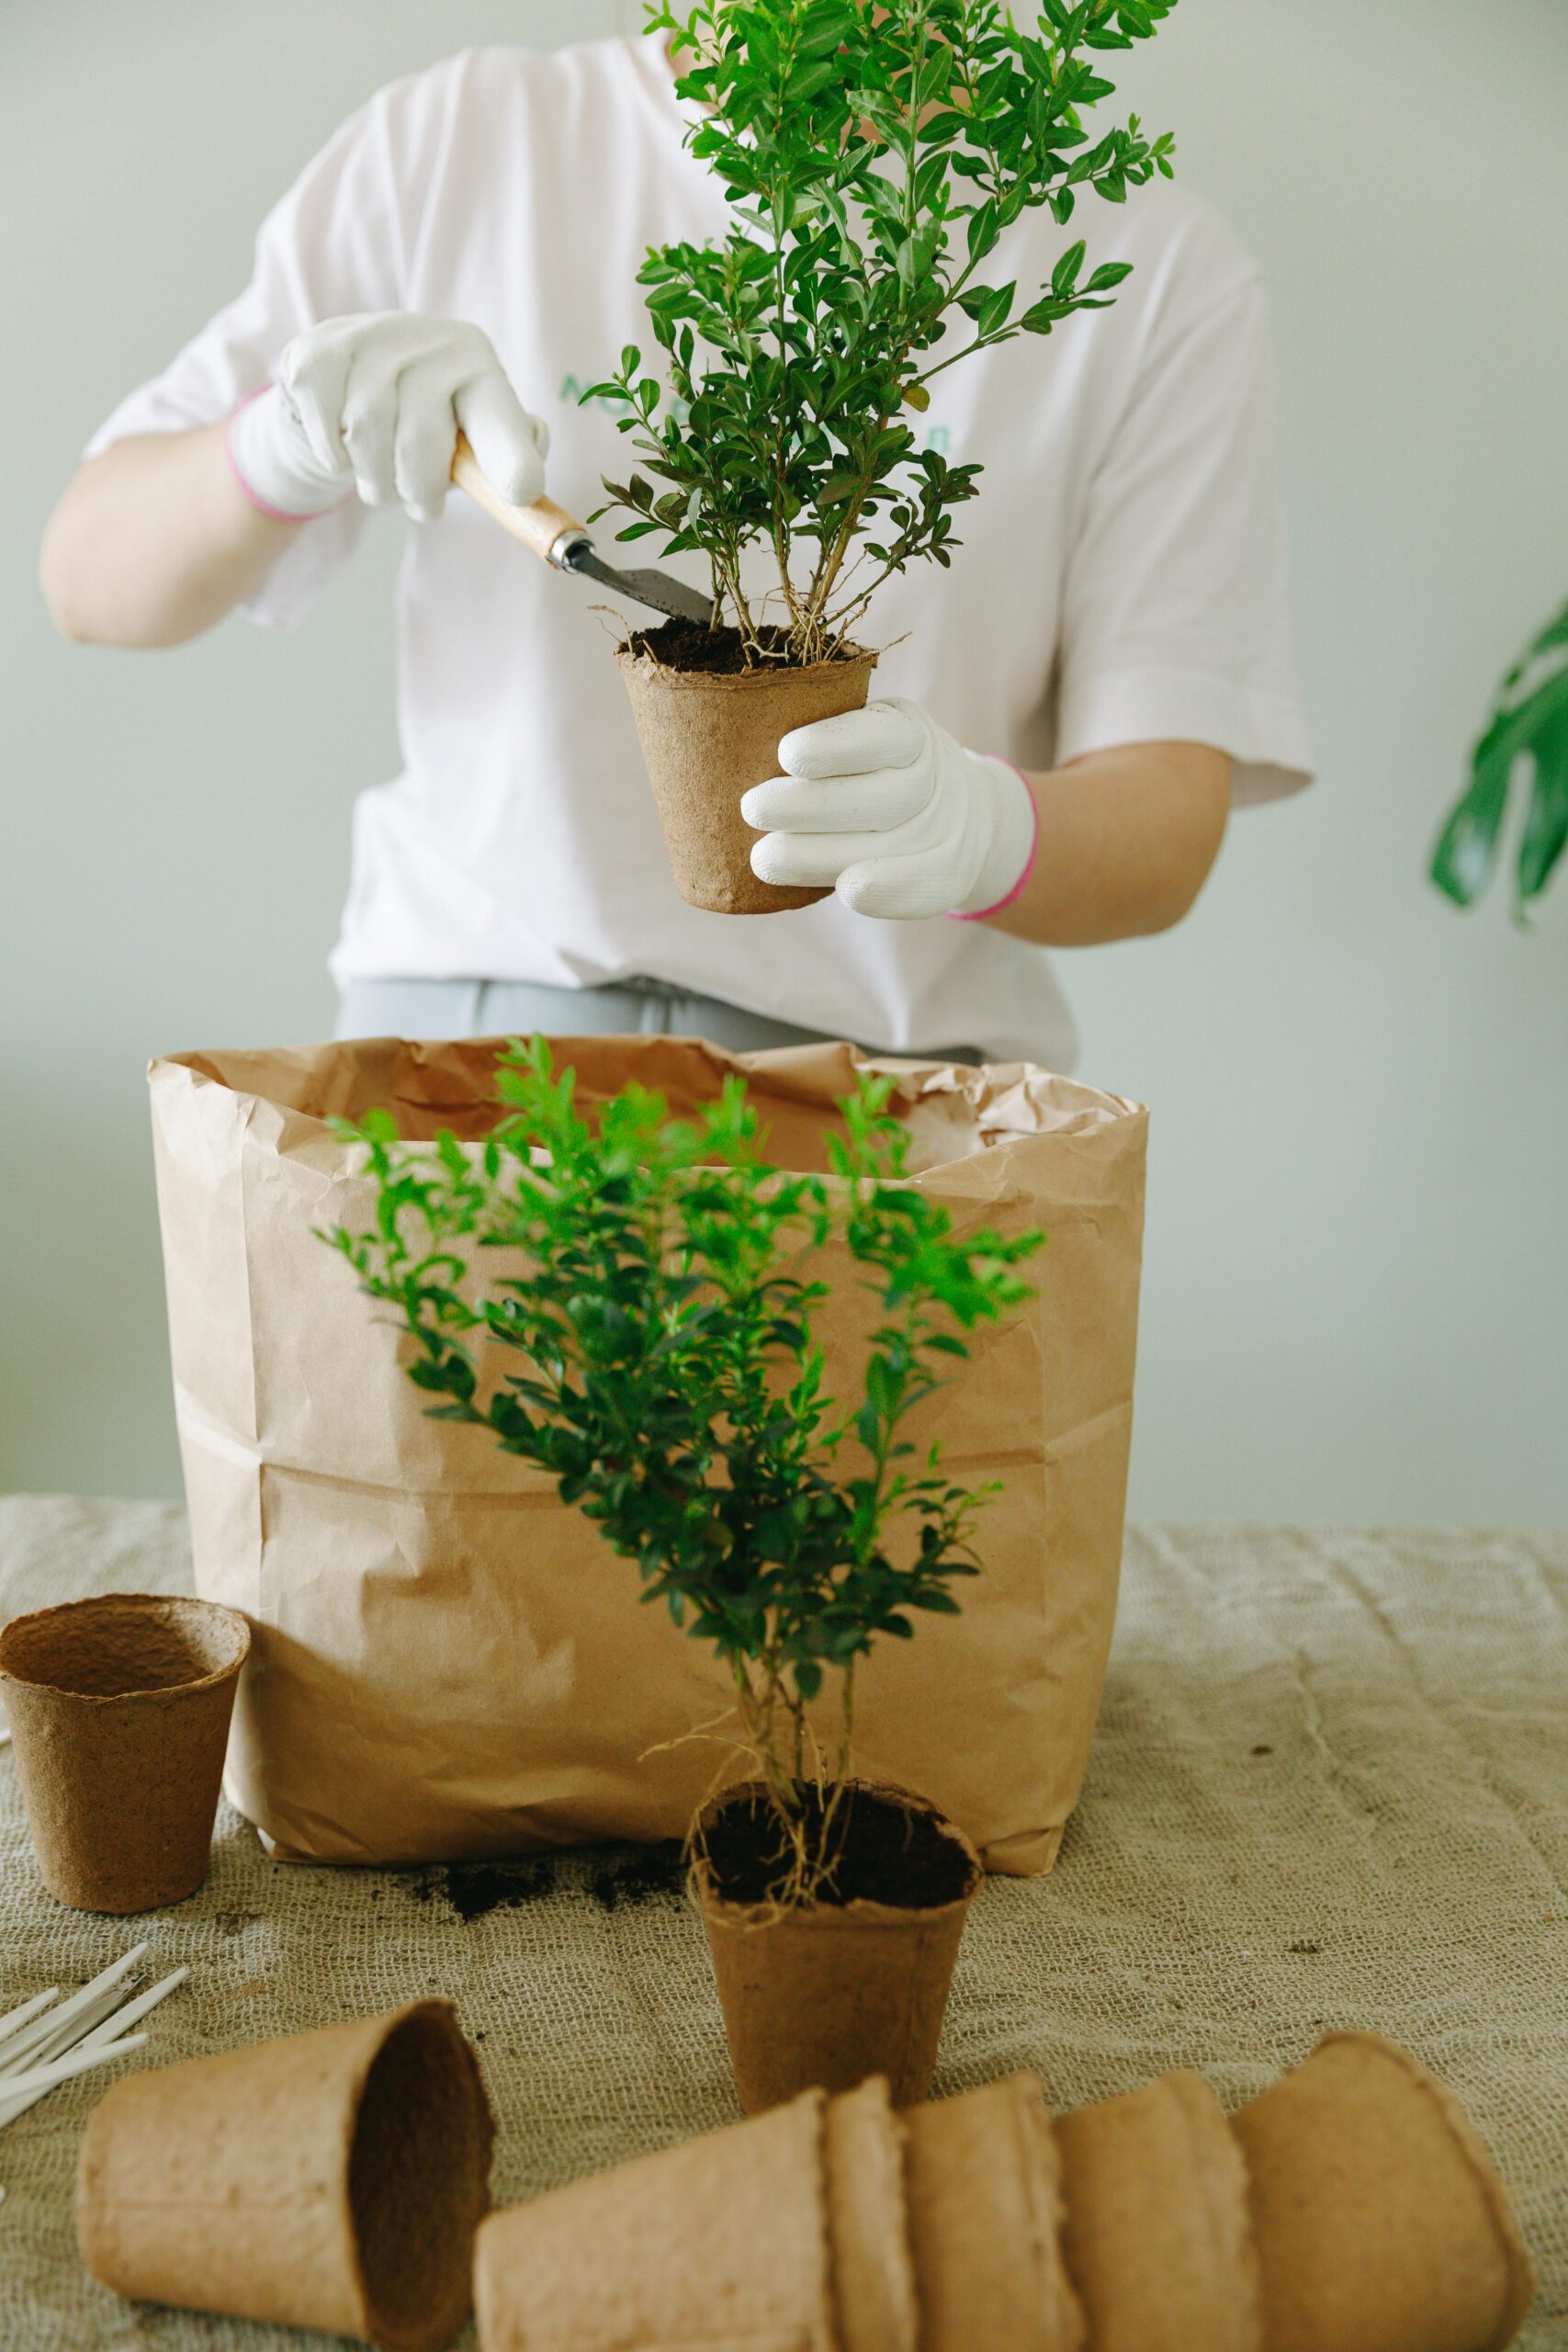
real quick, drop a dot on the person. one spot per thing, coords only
(1061, 722)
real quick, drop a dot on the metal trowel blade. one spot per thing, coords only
(656, 588)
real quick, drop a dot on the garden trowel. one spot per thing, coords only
(549, 530)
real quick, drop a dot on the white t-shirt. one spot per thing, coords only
(1121, 577)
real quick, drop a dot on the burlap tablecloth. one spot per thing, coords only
(1330, 1788)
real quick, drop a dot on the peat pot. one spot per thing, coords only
(119, 1710)
(707, 736)
(1158, 2232)
(1380, 2222)
(985, 2201)
(720, 2246)
(331, 2181)
(821, 1995)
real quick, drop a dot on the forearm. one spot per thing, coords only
(1127, 839)
(154, 541)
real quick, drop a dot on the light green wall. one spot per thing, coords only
(1357, 1300)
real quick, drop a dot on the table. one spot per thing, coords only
(1330, 1787)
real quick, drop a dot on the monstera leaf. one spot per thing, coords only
(1527, 734)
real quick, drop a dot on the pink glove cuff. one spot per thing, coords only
(980, 913)
(275, 513)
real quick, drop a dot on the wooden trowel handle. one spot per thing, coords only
(545, 527)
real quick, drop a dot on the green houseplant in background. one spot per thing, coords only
(1526, 735)
(651, 1283)
(874, 161)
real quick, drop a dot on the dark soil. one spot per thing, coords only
(886, 1854)
(645, 1874)
(687, 645)
(476, 1889)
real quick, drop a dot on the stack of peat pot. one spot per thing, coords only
(1349, 2208)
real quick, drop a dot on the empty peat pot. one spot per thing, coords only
(984, 2197)
(721, 2245)
(821, 1995)
(1158, 2235)
(863, 2151)
(120, 1711)
(333, 2180)
(1381, 2225)
(707, 736)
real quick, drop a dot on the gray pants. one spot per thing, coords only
(518, 1008)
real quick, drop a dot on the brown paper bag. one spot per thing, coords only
(447, 1662)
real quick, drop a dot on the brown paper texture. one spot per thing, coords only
(447, 1663)
(707, 739)
(1381, 2225)
(985, 2223)
(720, 2245)
(1158, 2235)
(331, 2181)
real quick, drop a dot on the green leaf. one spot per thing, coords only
(983, 230)
(994, 316)
(1466, 850)
(1527, 734)
(1546, 819)
(1063, 277)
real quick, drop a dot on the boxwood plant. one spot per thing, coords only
(632, 1301)
(874, 159)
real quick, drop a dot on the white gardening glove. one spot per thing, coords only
(374, 404)
(886, 807)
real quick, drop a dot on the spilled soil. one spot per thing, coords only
(474, 1890)
(647, 1873)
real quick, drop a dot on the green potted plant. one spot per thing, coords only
(651, 1281)
(1527, 730)
(874, 160)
